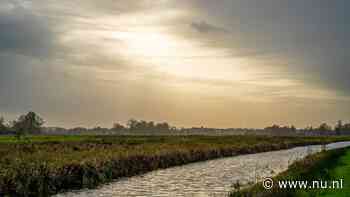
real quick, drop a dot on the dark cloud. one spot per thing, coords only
(15, 83)
(27, 43)
(311, 37)
(307, 38)
(22, 32)
(204, 27)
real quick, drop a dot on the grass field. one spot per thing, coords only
(44, 165)
(326, 166)
(340, 169)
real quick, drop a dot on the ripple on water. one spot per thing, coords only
(214, 178)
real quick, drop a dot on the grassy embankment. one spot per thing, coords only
(45, 165)
(326, 166)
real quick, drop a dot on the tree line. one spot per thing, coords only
(30, 123)
(142, 125)
(324, 128)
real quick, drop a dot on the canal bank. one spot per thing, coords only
(47, 165)
(324, 174)
(206, 179)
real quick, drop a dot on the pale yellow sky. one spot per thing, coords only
(192, 63)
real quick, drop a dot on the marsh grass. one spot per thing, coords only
(52, 164)
(313, 167)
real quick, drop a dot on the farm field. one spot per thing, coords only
(45, 165)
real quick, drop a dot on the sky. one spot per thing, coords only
(224, 63)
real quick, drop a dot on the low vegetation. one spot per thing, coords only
(45, 165)
(326, 166)
(32, 123)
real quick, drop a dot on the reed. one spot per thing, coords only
(46, 165)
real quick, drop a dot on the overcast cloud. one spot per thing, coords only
(94, 62)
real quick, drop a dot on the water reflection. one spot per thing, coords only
(213, 178)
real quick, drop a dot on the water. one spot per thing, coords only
(214, 178)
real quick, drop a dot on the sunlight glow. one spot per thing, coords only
(147, 44)
(177, 57)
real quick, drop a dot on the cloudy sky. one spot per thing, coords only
(224, 63)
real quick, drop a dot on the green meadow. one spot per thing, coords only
(326, 166)
(336, 170)
(46, 165)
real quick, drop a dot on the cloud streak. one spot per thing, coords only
(204, 27)
(241, 51)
